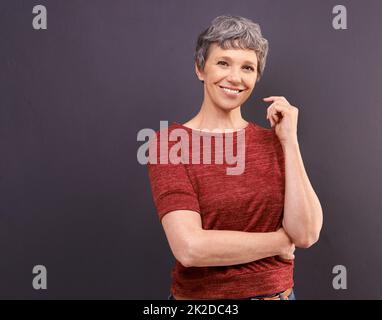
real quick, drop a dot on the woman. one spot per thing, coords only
(234, 236)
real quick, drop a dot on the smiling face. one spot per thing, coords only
(226, 69)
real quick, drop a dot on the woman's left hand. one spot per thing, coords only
(283, 117)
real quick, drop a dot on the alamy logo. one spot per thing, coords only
(200, 145)
(40, 280)
(340, 20)
(340, 280)
(40, 20)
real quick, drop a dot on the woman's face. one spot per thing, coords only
(228, 68)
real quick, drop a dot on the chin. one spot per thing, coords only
(228, 106)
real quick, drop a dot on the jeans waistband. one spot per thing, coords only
(288, 294)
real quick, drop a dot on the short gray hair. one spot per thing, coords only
(224, 31)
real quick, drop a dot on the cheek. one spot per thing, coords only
(216, 74)
(251, 84)
(249, 91)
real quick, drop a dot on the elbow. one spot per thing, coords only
(188, 255)
(306, 237)
(185, 260)
(306, 241)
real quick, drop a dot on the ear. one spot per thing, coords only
(198, 73)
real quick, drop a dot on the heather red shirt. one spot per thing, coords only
(252, 201)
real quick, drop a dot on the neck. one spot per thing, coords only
(210, 117)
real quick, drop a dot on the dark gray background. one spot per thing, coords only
(73, 97)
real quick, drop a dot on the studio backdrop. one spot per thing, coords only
(80, 79)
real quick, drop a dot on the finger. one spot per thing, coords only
(273, 114)
(272, 98)
(287, 258)
(275, 119)
(271, 121)
(278, 107)
(269, 117)
(281, 105)
(281, 99)
(270, 110)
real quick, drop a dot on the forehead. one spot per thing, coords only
(237, 54)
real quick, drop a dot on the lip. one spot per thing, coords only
(231, 94)
(231, 88)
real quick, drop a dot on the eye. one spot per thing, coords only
(222, 62)
(249, 68)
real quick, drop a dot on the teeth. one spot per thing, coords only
(230, 90)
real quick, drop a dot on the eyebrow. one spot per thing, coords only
(228, 58)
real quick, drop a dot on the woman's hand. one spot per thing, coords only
(283, 117)
(287, 251)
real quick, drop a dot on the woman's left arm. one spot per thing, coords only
(302, 209)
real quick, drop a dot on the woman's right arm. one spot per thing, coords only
(193, 246)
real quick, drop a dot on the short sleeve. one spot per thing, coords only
(171, 188)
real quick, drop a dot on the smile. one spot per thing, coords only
(231, 92)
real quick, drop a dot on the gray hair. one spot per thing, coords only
(224, 31)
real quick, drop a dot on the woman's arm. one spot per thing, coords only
(193, 246)
(302, 209)
(225, 247)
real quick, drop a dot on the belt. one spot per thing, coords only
(278, 296)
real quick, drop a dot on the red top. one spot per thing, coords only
(252, 201)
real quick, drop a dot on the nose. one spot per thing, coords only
(234, 76)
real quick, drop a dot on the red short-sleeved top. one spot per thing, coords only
(251, 201)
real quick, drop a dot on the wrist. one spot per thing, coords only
(282, 242)
(290, 144)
